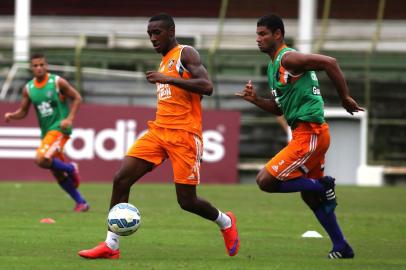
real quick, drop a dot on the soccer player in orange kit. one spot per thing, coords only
(176, 133)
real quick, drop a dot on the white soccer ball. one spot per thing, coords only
(124, 219)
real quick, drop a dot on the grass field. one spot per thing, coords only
(373, 219)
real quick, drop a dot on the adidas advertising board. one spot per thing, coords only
(101, 136)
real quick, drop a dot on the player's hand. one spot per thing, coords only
(156, 77)
(248, 93)
(7, 117)
(65, 124)
(351, 106)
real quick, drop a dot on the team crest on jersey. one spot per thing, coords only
(170, 64)
(49, 94)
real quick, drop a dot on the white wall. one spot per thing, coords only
(238, 33)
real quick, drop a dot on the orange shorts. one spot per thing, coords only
(183, 148)
(52, 145)
(304, 155)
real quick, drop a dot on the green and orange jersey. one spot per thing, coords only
(298, 96)
(50, 105)
(176, 107)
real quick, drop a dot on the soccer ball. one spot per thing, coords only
(124, 219)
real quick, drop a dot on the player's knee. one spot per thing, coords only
(266, 184)
(261, 184)
(42, 162)
(311, 199)
(59, 176)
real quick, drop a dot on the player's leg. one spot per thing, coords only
(52, 143)
(285, 172)
(131, 170)
(51, 149)
(189, 201)
(313, 168)
(341, 249)
(67, 185)
(140, 159)
(185, 152)
(269, 183)
(323, 208)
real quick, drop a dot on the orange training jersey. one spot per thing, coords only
(176, 107)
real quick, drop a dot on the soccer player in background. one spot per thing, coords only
(49, 93)
(296, 95)
(176, 133)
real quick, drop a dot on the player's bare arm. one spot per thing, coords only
(297, 63)
(22, 111)
(249, 94)
(68, 91)
(199, 83)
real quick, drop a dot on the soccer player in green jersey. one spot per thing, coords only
(296, 95)
(49, 93)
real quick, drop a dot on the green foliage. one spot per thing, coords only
(373, 220)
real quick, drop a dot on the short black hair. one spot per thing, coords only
(272, 22)
(168, 19)
(37, 55)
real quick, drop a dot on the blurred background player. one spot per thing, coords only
(296, 95)
(176, 134)
(48, 93)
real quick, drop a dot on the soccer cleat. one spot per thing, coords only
(101, 251)
(346, 253)
(329, 198)
(230, 235)
(75, 175)
(81, 207)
